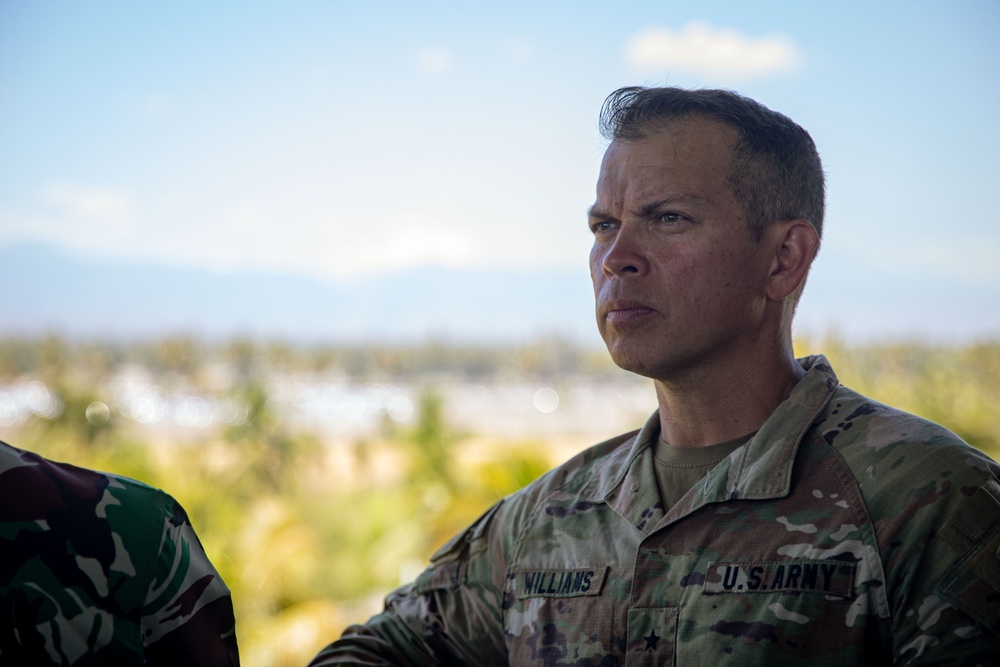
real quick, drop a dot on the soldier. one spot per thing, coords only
(97, 569)
(765, 514)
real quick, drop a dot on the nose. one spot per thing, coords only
(624, 256)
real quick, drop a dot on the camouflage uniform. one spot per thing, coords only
(97, 569)
(843, 532)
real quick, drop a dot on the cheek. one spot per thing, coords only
(596, 267)
(737, 287)
(685, 273)
(708, 281)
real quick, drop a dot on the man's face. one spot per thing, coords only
(678, 280)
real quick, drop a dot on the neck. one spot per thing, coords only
(713, 404)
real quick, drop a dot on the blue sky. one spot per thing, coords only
(346, 140)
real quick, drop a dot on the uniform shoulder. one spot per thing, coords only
(876, 438)
(582, 478)
(494, 534)
(896, 456)
(934, 502)
(40, 485)
(594, 464)
(77, 545)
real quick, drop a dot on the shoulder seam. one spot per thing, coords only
(848, 480)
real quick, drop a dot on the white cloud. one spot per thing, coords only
(699, 48)
(434, 61)
(412, 249)
(408, 241)
(105, 210)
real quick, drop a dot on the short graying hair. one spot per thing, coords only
(776, 173)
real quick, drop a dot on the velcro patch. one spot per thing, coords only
(826, 577)
(560, 583)
(980, 512)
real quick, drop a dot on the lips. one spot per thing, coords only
(623, 310)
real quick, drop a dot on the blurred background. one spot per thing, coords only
(319, 269)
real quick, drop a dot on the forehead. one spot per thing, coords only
(691, 154)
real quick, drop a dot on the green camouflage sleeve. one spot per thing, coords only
(452, 613)
(187, 617)
(951, 614)
(935, 504)
(99, 569)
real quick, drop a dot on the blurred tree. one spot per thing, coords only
(180, 355)
(265, 440)
(432, 445)
(18, 356)
(241, 355)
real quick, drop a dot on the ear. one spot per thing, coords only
(795, 243)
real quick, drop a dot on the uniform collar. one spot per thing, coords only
(763, 467)
(760, 469)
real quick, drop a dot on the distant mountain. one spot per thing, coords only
(49, 289)
(46, 288)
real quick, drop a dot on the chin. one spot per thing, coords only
(636, 358)
(633, 361)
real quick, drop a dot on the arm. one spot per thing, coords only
(952, 612)
(188, 613)
(452, 613)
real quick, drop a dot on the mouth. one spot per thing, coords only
(625, 311)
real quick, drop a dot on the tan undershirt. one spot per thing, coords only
(678, 469)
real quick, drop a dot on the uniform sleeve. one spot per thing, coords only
(952, 616)
(188, 615)
(452, 613)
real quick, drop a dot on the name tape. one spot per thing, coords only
(560, 583)
(827, 577)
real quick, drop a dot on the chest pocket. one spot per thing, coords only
(652, 637)
(780, 612)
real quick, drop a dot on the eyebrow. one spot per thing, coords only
(649, 209)
(594, 212)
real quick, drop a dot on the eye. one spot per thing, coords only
(600, 226)
(671, 217)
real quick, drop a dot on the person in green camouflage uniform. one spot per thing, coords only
(765, 515)
(97, 569)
